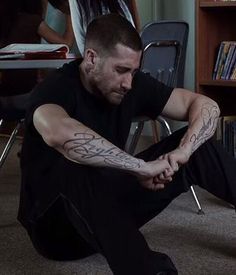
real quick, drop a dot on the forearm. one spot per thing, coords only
(51, 36)
(202, 123)
(80, 144)
(87, 147)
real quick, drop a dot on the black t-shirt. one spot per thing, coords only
(63, 87)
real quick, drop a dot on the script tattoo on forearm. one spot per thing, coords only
(88, 149)
(210, 115)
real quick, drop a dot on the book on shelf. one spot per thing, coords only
(225, 61)
(218, 60)
(222, 58)
(226, 133)
(35, 51)
(231, 65)
(233, 73)
(228, 61)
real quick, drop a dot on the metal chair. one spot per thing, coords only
(12, 109)
(165, 44)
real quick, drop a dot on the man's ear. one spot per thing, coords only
(90, 57)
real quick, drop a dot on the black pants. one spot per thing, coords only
(102, 209)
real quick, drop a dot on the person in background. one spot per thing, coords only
(48, 30)
(84, 11)
(57, 25)
(22, 22)
(81, 192)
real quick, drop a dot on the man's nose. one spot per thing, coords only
(127, 81)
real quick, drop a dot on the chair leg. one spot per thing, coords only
(155, 131)
(165, 125)
(9, 144)
(200, 211)
(135, 138)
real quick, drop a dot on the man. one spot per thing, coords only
(81, 193)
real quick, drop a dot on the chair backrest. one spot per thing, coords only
(165, 44)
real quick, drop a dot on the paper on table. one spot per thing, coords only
(36, 51)
(12, 56)
(25, 48)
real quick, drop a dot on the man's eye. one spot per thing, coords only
(120, 70)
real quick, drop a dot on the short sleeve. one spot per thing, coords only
(55, 89)
(151, 95)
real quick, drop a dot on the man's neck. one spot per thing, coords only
(85, 77)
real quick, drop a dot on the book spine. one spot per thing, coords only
(233, 74)
(231, 65)
(218, 60)
(222, 59)
(228, 60)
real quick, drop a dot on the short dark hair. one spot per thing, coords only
(106, 31)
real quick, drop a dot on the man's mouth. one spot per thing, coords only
(121, 92)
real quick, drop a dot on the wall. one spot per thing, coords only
(184, 10)
(148, 10)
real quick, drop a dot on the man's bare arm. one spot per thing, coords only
(81, 144)
(202, 114)
(203, 118)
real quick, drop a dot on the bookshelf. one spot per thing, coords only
(215, 22)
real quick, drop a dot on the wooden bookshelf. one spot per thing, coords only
(215, 22)
(217, 3)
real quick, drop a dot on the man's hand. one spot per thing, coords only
(153, 180)
(176, 158)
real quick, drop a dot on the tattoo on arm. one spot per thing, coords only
(86, 148)
(210, 115)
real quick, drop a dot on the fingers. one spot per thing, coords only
(160, 181)
(174, 164)
(154, 184)
(171, 160)
(161, 175)
(166, 175)
(158, 186)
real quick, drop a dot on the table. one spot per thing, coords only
(33, 64)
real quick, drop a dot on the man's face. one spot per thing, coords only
(112, 75)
